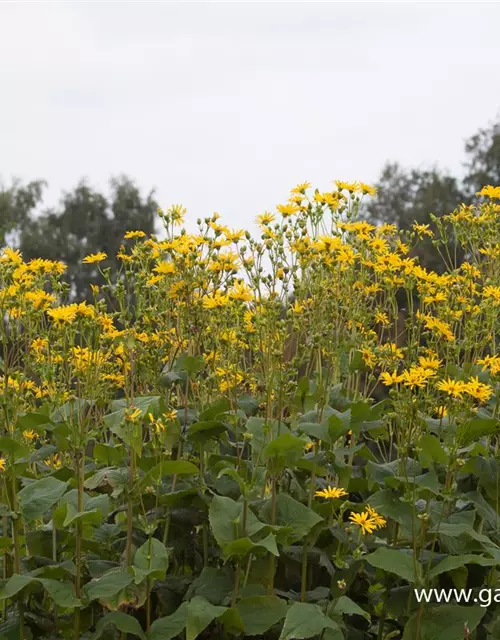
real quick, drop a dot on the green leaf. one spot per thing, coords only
(171, 626)
(203, 431)
(200, 613)
(243, 546)
(212, 584)
(190, 364)
(431, 451)
(284, 451)
(14, 585)
(151, 559)
(225, 519)
(291, 514)
(61, 592)
(261, 433)
(455, 562)
(122, 622)
(168, 468)
(476, 429)
(345, 605)
(390, 505)
(12, 448)
(260, 613)
(39, 496)
(305, 620)
(395, 561)
(109, 584)
(444, 622)
(216, 409)
(34, 421)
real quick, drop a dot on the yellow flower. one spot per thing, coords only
(95, 257)
(170, 415)
(379, 520)
(63, 315)
(478, 390)
(9, 255)
(417, 377)
(132, 415)
(430, 362)
(164, 268)
(54, 461)
(366, 188)
(3, 464)
(331, 493)
(30, 435)
(265, 218)
(441, 411)
(365, 521)
(134, 234)
(489, 192)
(454, 388)
(423, 230)
(287, 210)
(389, 379)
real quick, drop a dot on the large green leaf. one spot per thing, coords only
(171, 626)
(297, 519)
(62, 592)
(455, 562)
(284, 451)
(260, 613)
(202, 431)
(431, 450)
(39, 496)
(200, 613)
(109, 584)
(444, 622)
(168, 468)
(225, 516)
(151, 559)
(243, 546)
(345, 605)
(122, 622)
(305, 620)
(398, 562)
(213, 584)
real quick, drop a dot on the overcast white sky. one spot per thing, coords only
(225, 107)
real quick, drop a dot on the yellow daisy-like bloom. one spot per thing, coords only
(165, 268)
(423, 230)
(489, 191)
(478, 390)
(265, 218)
(365, 521)
(3, 464)
(30, 435)
(95, 257)
(454, 388)
(63, 315)
(441, 411)
(389, 379)
(331, 493)
(379, 520)
(134, 234)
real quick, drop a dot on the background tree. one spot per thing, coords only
(87, 222)
(406, 196)
(17, 204)
(482, 159)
